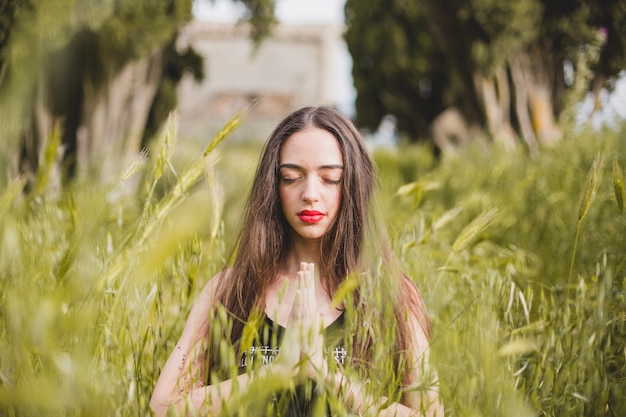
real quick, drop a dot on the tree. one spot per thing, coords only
(501, 63)
(104, 70)
(397, 67)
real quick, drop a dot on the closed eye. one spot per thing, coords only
(289, 180)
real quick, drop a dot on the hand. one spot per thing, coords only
(290, 350)
(312, 342)
(302, 349)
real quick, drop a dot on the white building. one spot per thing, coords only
(297, 66)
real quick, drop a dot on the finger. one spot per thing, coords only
(310, 284)
(297, 308)
(304, 284)
(311, 275)
(300, 282)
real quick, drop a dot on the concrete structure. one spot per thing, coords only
(293, 68)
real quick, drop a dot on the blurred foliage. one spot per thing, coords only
(175, 64)
(504, 308)
(94, 287)
(88, 279)
(261, 14)
(415, 59)
(397, 66)
(538, 200)
(59, 48)
(59, 59)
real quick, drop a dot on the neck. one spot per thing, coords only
(303, 251)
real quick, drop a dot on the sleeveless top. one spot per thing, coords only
(264, 350)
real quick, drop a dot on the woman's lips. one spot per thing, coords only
(310, 216)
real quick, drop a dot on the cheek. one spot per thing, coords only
(284, 197)
(337, 198)
(281, 197)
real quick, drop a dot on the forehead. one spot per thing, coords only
(311, 147)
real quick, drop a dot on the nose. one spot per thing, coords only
(311, 191)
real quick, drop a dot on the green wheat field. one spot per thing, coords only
(521, 262)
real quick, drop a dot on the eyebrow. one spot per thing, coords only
(294, 166)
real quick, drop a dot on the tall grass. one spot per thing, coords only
(95, 284)
(89, 279)
(503, 311)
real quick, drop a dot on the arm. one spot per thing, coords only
(355, 395)
(178, 372)
(213, 399)
(424, 401)
(417, 402)
(179, 387)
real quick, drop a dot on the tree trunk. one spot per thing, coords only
(110, 133)
(521, 104)
(102, 124)
(496, 101)
(534, 99)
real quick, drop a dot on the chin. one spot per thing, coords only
(310, 235)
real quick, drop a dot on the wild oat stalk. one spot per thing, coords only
(188, 179)
(469, 234)
(592, 185)
(473, 229)
(155, 214)
(618, 187)
(135, 166)
(47, 160)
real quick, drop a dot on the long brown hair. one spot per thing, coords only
(263, 242)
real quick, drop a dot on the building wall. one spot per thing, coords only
(293, 68)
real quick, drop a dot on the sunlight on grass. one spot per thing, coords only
(95, 285)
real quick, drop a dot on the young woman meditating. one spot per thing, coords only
(312, 315)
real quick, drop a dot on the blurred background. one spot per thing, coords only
(417, 71)
(304, 61)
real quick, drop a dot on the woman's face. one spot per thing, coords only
(311, 169)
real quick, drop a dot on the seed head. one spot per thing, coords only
(473, 229)
(592, 186)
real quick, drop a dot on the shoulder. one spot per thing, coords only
(207, 298)
(197, 324)
(209, 294)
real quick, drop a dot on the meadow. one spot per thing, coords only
(521, 262)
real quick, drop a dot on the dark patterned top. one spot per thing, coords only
(303, 399)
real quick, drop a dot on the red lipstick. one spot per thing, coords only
(310, 216)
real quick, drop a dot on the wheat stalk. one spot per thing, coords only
(47, 160)
(592, 185)
(135, 166)
(473, 229)
(618, 186)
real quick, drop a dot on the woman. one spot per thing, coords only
(310, 292)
